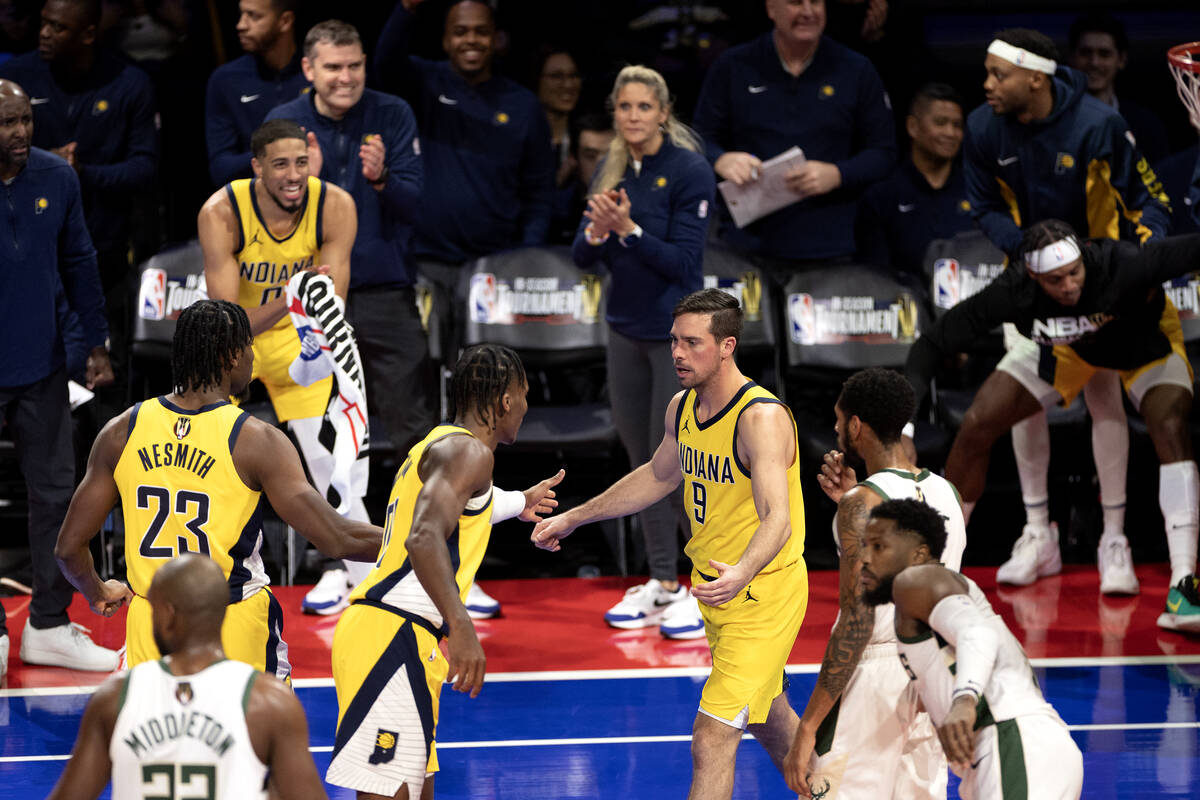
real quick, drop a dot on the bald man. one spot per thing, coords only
(211, 727)
(47, 236)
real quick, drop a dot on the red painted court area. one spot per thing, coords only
(557, 624)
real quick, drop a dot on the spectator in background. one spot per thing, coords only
(646, 219)
(591, 136)
(1099, 48)
(1042, 148)
(365, 142)
(46, 241)
(795, 87)
(925, 198)
(96, 112)
(240, 93)
(558, 86)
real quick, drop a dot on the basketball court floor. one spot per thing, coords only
(574, 709)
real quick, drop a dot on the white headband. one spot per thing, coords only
(1053, 256)
(1021, 57)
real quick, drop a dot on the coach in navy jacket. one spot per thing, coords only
(484, 139)
(751, 108)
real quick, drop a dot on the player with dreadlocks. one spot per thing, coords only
(189, 470)
(387, 666)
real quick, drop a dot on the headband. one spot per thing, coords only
(1022, 57)
(1053, 256)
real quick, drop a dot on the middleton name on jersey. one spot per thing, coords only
(149, 734)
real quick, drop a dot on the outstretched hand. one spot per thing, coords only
(548, 532)
(836, 477)
(539, 498)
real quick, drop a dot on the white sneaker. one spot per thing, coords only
(3, 658)
(66, 646)
(682, 620)
(644, 606)
(1116, 565)
(330, 595)
(1035, 555)
(480, 604)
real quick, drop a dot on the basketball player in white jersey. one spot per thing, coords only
(193, 724)
(861, 735)
(1000, 735)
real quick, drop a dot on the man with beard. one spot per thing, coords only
(861, 734)
(998, 732)
(734, 444)
(194, 719)
(258, 232)
(1086, 305)
(241, 92)
(47, 246)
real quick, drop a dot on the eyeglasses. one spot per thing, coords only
(561, 77)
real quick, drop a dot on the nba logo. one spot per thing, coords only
(152, 296)
(482, 298)
(802, 314)
(183, 426)
(946, 289)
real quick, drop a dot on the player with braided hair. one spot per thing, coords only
(189, 470)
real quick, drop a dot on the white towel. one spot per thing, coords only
(327, 347)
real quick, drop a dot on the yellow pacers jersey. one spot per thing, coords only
(716, 486)
(265, 263)
(393, 581)
(181, 493)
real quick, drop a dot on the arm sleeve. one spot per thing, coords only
(874, 135)
(137, 169)
(225, 161)
(975, 642)
(983, 192)
(680, 255)
(393, 66)
(712, 111)
(536, 187)
(79, 271)
(1139, 194)
(401, 194)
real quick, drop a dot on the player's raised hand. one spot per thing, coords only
(372, 154)
(729, 583)
(539, 498)
(315, 159)
(467, 662)
(836, 477)
(113, 595)
(548, 532)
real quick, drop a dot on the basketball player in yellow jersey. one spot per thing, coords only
(189, 470)
(387, 666)
(734, 446)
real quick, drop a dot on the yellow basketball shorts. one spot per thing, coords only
(274, 352)
(252, 633)
(388, 671)
(750, 638)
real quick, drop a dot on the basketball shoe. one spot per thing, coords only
(480, 604)
(644, 606)
(330, 595)
(682, 620)
(1035, 555)
(1116, 565)
(1183, 606)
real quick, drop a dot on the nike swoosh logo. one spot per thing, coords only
(661, 603)
(976, 764)
(904, 209)
(1174, 607)
(37, 101)
(246, 98)
(448, 101)
(756, 89)
(1004, 162)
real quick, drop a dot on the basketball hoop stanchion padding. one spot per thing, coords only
(1184, 61)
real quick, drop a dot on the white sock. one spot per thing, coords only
(1031, 447)
(1110, 445)
(1179, 499)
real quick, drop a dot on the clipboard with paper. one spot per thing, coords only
(769, 193)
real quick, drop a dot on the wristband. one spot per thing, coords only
(592, 239)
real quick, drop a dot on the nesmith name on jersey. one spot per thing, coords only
(176, 454)
(1065, 330)
(706, 466)
(269, 273)
(191, 724)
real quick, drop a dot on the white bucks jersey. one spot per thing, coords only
(179, 736)
(1011, 691)
(935, 491)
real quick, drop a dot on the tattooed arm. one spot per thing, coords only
(849, 638)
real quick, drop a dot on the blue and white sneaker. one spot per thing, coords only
(644, 606)
(1183, 606)
(683, 620)
(330, 595)
(480, 604)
